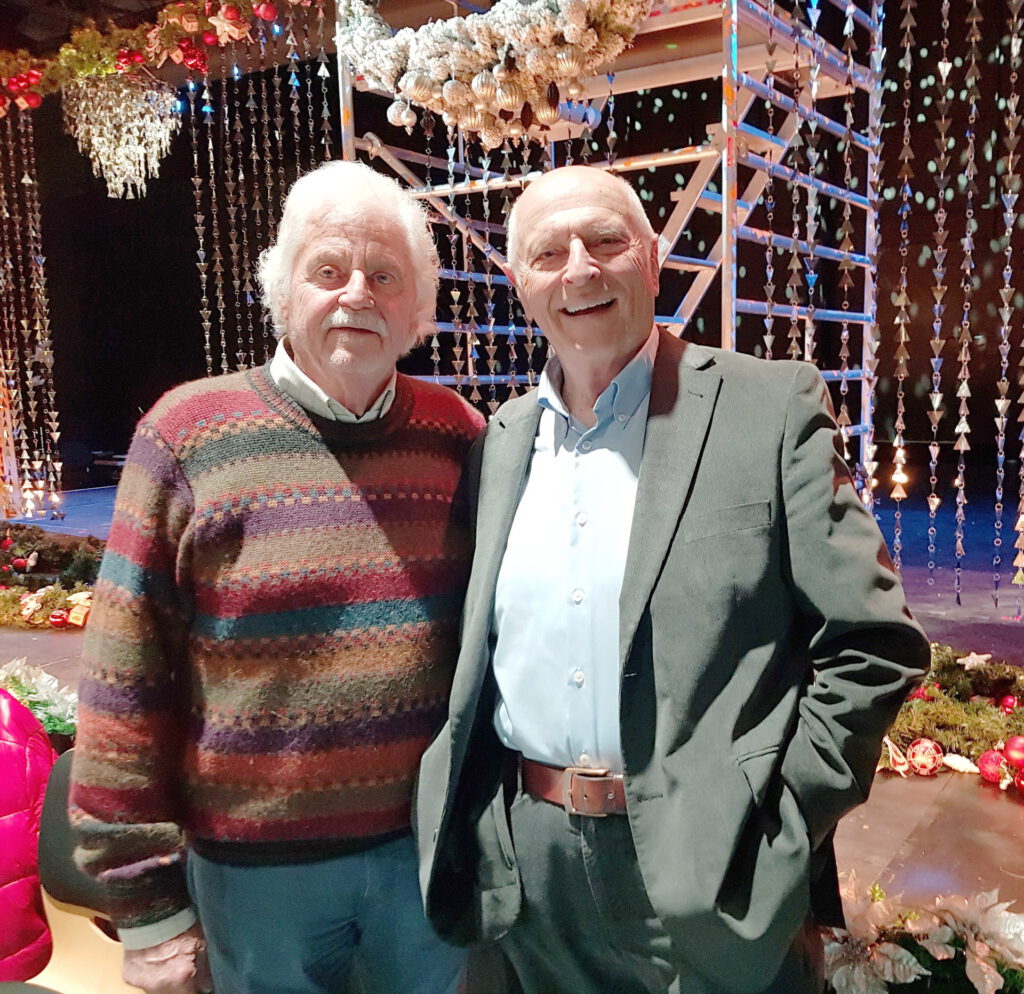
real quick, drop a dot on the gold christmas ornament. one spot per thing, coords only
(124, 125)
(409, 119)
(569, 60)
(484, 85)
(544, 113)
(509, 96)
(416, 86)
(574, 88)
(471, 119)
(515, 128)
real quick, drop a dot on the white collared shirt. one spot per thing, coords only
(293, 381)
(556, 604)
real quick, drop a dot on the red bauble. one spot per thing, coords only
(138, 58)
(209, 37)
(33, 99)
(20, 563)
(1008, 703)
(925, 757)
(59, 618)
(1018, 780)
(991, 765)
(5, 568)
(1013, 750)
(265, 11)
(231, 12)
(7, 542)
(33, 76)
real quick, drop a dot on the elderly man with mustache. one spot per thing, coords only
(275, 631)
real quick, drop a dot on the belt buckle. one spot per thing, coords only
(570, 774)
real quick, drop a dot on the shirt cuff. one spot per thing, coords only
(145, 936)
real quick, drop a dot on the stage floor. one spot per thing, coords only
(975, 624)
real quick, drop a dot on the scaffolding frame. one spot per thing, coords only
(748, 71)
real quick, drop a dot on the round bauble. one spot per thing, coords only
(515, 128)
(544, 113)
(574, 88)
(59, 618)
(456, 93)
(471, 120)
(33, 99)
(925, 757)
(436, 92)
(451, 119)
(569, 60)
(491, 136)
(991, 765)
(484, 85)
(1013, 750)
(502, 72)
(20, 563)
(1018, 780)
(509, 95)
(394, 113)
(1008, 703)
(416, 86)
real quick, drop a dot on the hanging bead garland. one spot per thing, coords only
(906, 174)
(941, 164)
(962, 429)
(769, 191)
(1010, 185)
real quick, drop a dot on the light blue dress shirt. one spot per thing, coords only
(556, 605)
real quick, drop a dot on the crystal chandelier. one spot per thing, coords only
(124, 124)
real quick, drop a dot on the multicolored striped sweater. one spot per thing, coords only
(275, 629)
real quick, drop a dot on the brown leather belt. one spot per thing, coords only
(580, 791)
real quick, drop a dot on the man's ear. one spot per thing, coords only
(655, 273)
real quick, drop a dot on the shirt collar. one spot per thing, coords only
(620, 399)
(296, 384)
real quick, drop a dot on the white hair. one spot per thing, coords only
(341, 184)
(635, 212)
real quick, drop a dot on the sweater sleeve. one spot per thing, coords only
(133, 699)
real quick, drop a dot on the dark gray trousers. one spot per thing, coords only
(587, 926)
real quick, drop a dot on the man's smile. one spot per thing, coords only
(581, 310)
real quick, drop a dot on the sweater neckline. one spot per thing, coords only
(361, 432)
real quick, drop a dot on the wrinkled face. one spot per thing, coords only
(351, 303)
(585, 274)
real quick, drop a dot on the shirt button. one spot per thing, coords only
(621, 418)
(584, 759)
(587, 445)
(577, 596)
(582, 518)
(577, 678)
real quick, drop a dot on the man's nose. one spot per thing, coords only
(580, 266)
(356, 292)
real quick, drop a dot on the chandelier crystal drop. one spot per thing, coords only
(123, 125)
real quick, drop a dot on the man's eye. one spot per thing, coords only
(384, 279)
(327, 272)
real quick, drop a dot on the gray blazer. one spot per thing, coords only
(765, 647)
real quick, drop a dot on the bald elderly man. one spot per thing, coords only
(276, 627)
(683, 642)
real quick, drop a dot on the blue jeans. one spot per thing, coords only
(299, 928)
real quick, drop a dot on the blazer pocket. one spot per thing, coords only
(738, 517)
(759, 767)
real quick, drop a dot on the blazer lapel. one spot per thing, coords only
(506, 460)
(684, 390)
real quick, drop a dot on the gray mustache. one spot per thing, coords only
(366, 320)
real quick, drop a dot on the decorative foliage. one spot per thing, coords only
(960, 707)
(494, 73)
(953, 944)
(54, 706)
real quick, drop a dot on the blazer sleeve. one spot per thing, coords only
(865, 650)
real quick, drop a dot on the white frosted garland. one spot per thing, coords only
(535, 43)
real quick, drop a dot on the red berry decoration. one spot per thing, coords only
(138, 58)
(59, 618)
(20, 563)
(1013, 750)
(33, 77)
(919, 694)
(991, 765)
(1008, 703)
(209, 37)
(33, 99)
(925, 757)
(7, 542)
(5, 568)
(265, 11)
(231, 12)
